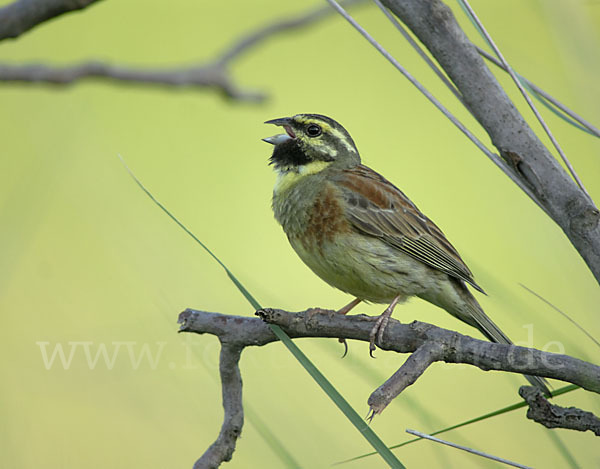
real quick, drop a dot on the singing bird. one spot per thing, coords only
(360, 233)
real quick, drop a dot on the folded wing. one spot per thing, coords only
(375, 207)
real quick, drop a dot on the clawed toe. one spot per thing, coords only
(341, 340)
(375, 334)
(380, 325)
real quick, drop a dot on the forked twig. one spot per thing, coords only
(212, 74)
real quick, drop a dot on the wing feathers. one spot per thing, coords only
(376, 207)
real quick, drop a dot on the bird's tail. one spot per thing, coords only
(472, 313)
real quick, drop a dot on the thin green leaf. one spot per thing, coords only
(518, 405)
(323, 382)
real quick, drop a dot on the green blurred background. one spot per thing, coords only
(88, 261)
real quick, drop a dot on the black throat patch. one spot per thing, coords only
(289, 154)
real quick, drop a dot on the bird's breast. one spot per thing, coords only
(310, 211)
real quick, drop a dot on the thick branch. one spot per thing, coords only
(426, 342)
(22, 15)
(554, 416)
(435, 26)
(398, 337)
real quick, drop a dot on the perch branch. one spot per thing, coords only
(426, 344)
(554, 416)
(212, 74)
(22, 15)
(435, 26)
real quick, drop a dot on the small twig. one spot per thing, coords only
(204, 76)
(212, 74)
(231, 389)
(22, 15)
(284, 25)
(554, 416)
(466, 448)
(414, 366)
(510, 408)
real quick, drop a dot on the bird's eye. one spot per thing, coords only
(313, 130)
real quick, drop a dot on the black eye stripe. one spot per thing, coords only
(313, 130)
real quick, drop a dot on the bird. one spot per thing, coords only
(361, 234)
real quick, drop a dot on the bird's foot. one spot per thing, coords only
(376, 332)
(380, 325)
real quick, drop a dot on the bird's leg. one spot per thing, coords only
(345, 310)
(380, 325)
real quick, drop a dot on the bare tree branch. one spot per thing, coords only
(231, 389)
(212, 74)
(435, 26)
(281, 26)
(22, 15)
(426, 343)
(414, 366)
(203, 76)
(554, 416)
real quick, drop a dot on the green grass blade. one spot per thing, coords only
(518, 405)
(360, 424)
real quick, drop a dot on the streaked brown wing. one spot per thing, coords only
(374, 206)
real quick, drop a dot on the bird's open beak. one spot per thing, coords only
(280, 138)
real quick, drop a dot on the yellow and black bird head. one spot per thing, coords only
(311, 140)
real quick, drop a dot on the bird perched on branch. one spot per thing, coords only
(360, 233)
